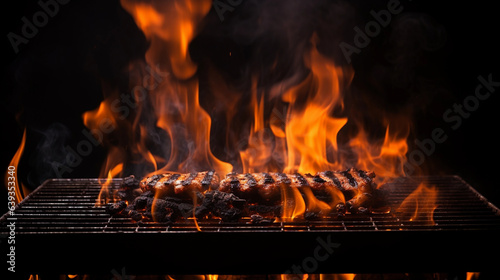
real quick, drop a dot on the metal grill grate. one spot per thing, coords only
(67, 206)
(62, 211)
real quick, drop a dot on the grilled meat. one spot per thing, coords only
(254, 187)
(350, 182)
(260, 187)
(180, 185)
(266, 186)
(247, 193)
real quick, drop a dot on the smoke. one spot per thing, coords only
(412, 37)
(268, 39)
(51, 150)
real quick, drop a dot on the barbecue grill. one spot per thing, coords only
(59, 228)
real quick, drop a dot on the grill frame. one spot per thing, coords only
(368, 243)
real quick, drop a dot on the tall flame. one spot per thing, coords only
(170, 26)
(310, 128)
(256, 156)
(173, 100)
(11, 177)
(307, 138)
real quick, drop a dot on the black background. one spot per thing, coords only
(56, 77)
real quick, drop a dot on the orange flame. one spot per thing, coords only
(171, 26)
(343, 276)
(340, 276)
(304, 137)
(11, 179)
(314, 204)
(473, 275)
(101, 118)
(105, 195)
(257, 155)
(293, 203)
(310, 128)
(103, 122)
(307, 138)
(386, 159)
(419, 206)
(172, 99)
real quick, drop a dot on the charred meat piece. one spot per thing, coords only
(226, 206)
(242, 185)
(114, 208)
(130, 182)
(266, 187)
(148, 183)
(180, 185)
(255, 187)
(350, 182)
